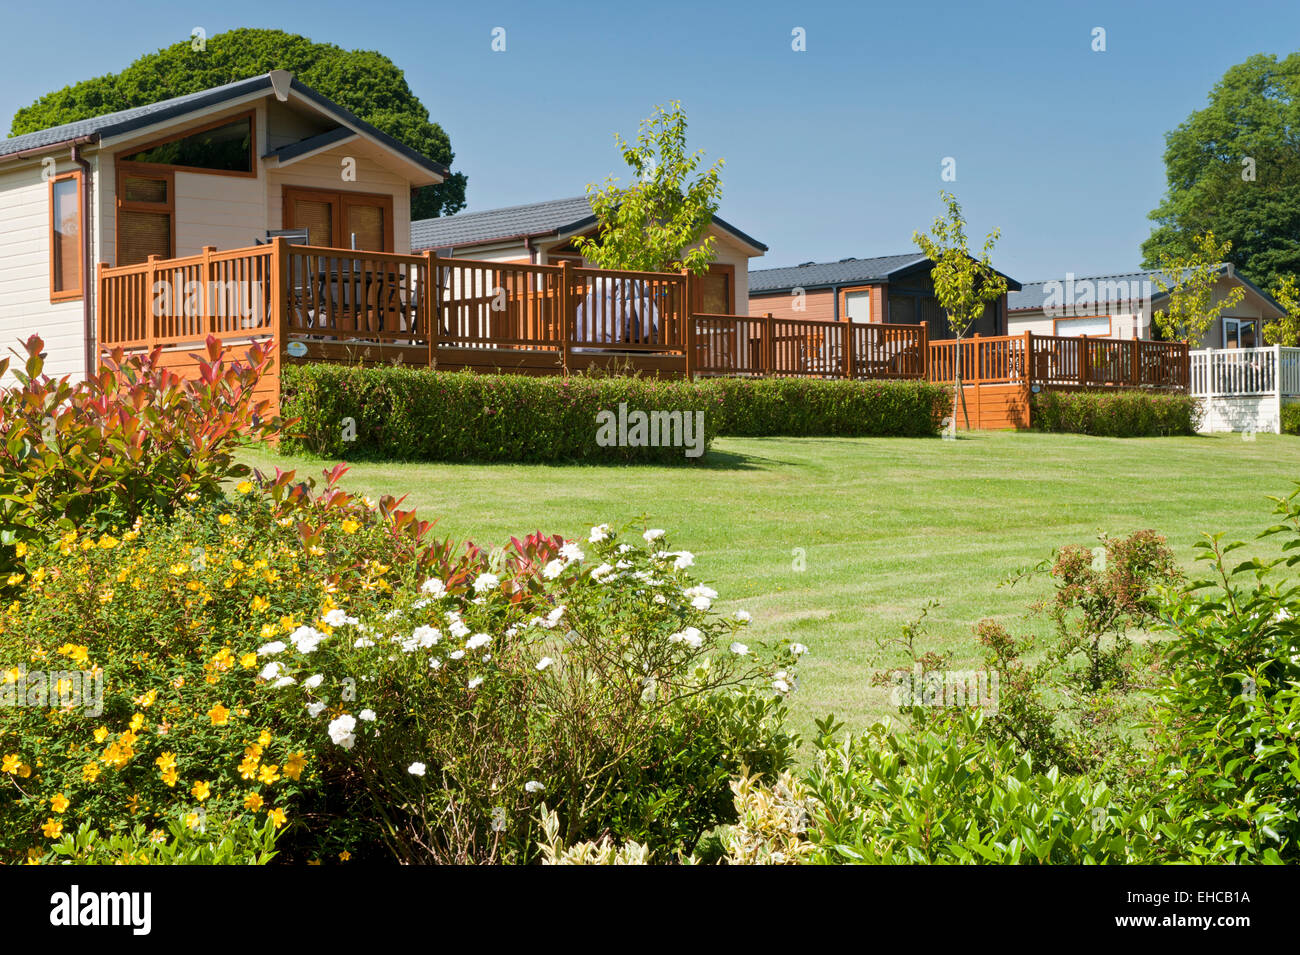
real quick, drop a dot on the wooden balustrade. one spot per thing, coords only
(1060, 361)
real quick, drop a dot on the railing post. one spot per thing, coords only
(207, 320)
(925, 351)
(1083, 361)
(154, 327)
(566, 293)
(688, 319)
(101, 326)
(846, 359)
(769, 345)
(282, 302)
(1027, 371)
(1135, 372)
(432, 319)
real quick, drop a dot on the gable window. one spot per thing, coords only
(225, 146)
(340, 220)
(1240, 333)
(65, 237)
(146, 213)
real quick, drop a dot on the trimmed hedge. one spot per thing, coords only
(1115, 414)
(1291, 419)
(415, 414)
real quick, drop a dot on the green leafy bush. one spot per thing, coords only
(395, 413)
(809, 407)
(1291, 418)
(132, 439)
(1114, 414)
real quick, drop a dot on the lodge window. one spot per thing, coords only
(66, 232)
(856, 305)
(146, 214)
(715, 291)
(1239, 334)
(224, 146)
(337, 220)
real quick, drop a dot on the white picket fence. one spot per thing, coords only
(1244, 389)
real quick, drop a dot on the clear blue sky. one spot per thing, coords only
(830, 153)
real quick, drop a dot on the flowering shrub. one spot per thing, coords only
(304, 659)
(133, 438)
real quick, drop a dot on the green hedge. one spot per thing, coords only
(1291, 419)
(415, 414)
(1114, 414)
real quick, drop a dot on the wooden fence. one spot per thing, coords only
(1062, 362)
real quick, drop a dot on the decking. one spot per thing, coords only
(1245, 389)
(338, 305)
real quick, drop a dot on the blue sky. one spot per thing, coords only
(830, 153)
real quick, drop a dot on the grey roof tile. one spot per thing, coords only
(513, 222)
(821, 274)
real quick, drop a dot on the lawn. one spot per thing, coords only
(837, 542)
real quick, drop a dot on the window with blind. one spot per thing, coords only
(340, 220)
(145, 214)
(65, 237)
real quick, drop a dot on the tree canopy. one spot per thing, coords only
(1233, 169)
(651, 225)
(367, 83)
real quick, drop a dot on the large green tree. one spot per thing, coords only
(1233, 169)
(367, 83)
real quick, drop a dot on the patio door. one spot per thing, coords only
(340, 220)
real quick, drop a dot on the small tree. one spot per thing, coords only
(651, 225)
(1189, 280)
(963, 284)
(1286, 330)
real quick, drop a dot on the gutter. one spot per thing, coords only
(87, 257)
(50, 147)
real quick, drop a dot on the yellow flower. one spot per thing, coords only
(90, 772)
(75, 652)
(237, 564)
(277, 817)
(52, 828)
(11, 763)
(226, 519)
(192, 820)
(248, 661)
(107, 542)
(170, 776)
(20, 549)
(166, 761)
(24, 771)
(133, 804)
(147, 699)
(344, 856)
(137, 721)
(350, 526)
(269, 774)
(264, 738)
(244, 487)
(294, 765)
(178, 570)
(101, 734)
(15, 579)
(253, 801)
(201, 790)
(219, 715)
(59, 802)
(34, 857)
(259, 604)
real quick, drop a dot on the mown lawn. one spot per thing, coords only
(883, 525)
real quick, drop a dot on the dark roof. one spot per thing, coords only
(556, 217)
(310, 144)
(124, 121)
(1034, 295)
(880, 269)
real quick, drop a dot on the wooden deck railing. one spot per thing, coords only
(425, 307)
(1059, 361)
